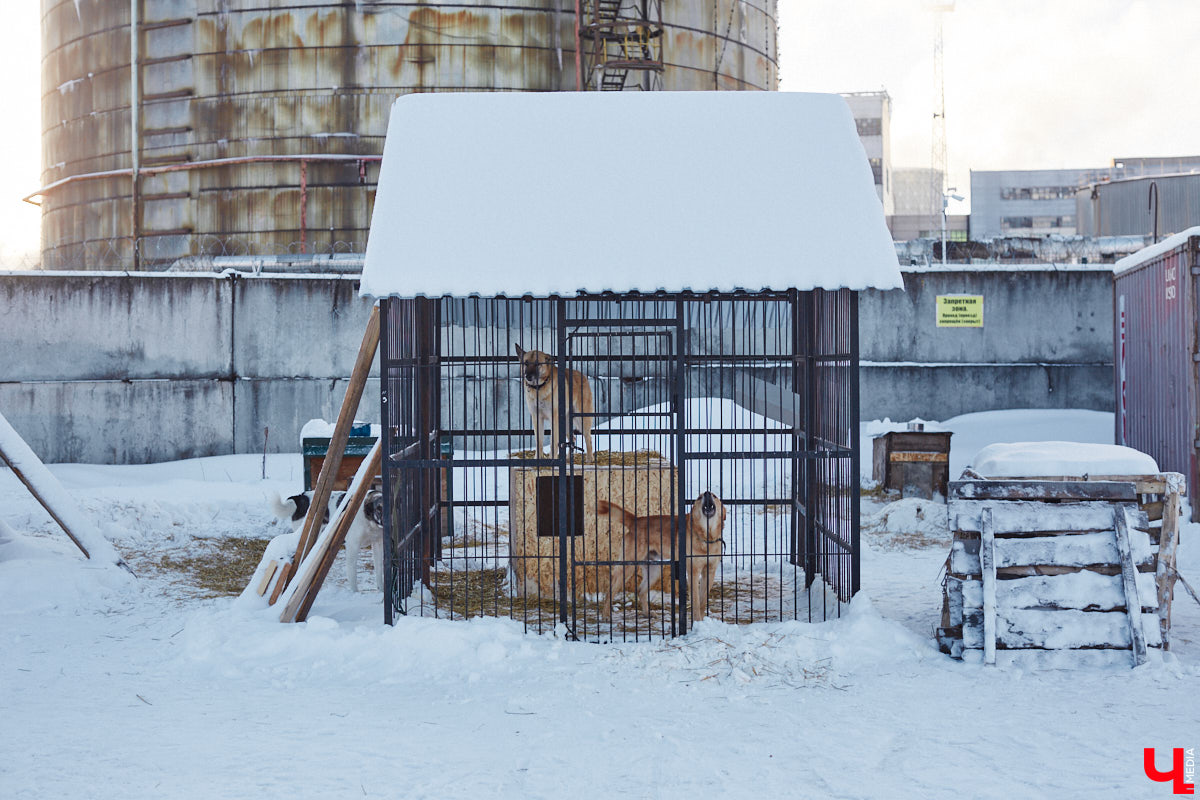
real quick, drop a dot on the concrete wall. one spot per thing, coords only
(141, 367)
(1046, 342)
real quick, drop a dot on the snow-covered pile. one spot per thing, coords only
(1030, 459)
(49, 576)
(323, 429)
(907, 523)
(972, 432)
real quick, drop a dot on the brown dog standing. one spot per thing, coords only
(539, 379)
(649, 539)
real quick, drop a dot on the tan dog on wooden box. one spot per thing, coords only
(539, 379)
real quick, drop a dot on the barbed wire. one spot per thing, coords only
(203, 253)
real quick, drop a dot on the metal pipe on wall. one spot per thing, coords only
(135, 125)
(362, 161)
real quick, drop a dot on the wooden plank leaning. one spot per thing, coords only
(61, 507)
(311, 573)
(987, 563)
(341, 434)
(1133, 603)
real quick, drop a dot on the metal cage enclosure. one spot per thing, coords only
(752, 396)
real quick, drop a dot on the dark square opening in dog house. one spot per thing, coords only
(679, 372)
(549, 500)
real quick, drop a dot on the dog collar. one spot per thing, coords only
(536, 385)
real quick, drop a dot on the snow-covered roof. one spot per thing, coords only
(1153, 251)
(554, 193)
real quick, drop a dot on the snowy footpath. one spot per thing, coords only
(143, 688)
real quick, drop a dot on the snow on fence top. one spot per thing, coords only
(1154, 251)
(1047, 459)
(554, 193)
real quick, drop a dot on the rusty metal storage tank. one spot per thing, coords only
(255, 129)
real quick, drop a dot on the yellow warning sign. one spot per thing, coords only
(960, 311)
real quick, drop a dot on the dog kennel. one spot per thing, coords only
(725, 360)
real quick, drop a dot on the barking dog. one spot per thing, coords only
(366, 529)
(649, 539)
(539, 379)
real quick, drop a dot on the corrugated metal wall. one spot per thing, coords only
(1123, 208)
(234, 79)
(1155, 340)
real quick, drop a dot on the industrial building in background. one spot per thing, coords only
(1156, 205)
(918, 215)
(256, 131)
(872, 113)
(908, 203)
(1027, 202)
(1102, 201)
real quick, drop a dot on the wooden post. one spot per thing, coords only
(987, 567)
(341, 434)
(1133, 603)
(1168, 542)
(312, 571)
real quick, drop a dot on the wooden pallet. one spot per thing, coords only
(1050, 564)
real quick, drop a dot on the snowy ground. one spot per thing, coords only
(111, 687)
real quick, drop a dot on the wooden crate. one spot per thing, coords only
(1039, 565)
(645, 489)
(914, 463)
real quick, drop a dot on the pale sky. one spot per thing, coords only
(1030, 84)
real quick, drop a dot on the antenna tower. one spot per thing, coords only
(938, 166)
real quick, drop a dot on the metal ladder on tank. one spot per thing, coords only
(618, 37)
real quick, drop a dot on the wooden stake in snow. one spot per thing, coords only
(310, 575)
(987, 564)
(341, 434)
(54, 498)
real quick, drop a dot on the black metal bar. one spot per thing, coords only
(681, 459)
(435, 419)
(810, 427)
(833, 536)
(641, 563)
(795, 545)
(424, 463)
(633, 358)
(761, 455)
(855, 455)
(623, 431)
(564, 515)
(639, 333)
(619, 323)
(389, 556)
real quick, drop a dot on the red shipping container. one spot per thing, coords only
(1155, 354)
